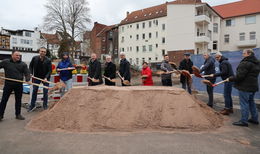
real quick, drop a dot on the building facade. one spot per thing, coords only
(4, 41)
(27, 40)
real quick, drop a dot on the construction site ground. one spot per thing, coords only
(14, 138)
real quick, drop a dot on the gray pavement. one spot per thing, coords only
(15, 139)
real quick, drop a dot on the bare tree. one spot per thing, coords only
(68, 16)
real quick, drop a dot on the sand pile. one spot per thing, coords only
(100, 109)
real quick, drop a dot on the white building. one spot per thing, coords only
(142, 35)
(240, 28)
(23, 39)
(51, 42)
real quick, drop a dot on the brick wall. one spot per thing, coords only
(177, 56)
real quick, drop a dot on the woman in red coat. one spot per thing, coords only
(147, 75)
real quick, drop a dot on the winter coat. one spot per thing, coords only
(246, 78)
(65, 75)
(110, 72)
(46, 68)
(94, 70)
(165, 66)
(185, 65)
(209, 68)
(225, 68)
(149, 80)
(124, 69)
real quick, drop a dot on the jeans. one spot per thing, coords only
(167, 82)
(186, 84)
(247, 104)
(18, 92)
(68, 84)
(227, 95)
(34, 94)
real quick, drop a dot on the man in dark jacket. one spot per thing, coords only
(15, 69)
(124, 69)
(226, 71)
(40, 67)
(246, 81)
(110, 71)
(94, 71)
(209, 68)
(166, 67)
(186, 64)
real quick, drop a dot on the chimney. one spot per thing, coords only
(127, 13)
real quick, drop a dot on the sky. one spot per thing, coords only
(27, 14)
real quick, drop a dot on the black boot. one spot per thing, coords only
(20, 117)
(240, 123)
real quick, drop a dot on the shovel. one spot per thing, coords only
(126, 82)
(57, 85)
(111, 80)
(207, 82)
(93, 80)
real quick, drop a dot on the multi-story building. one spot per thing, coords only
(4, 41)
(51, 42)
(23, 39)
(142, 35)
(240, 27)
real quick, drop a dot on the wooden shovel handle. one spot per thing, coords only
(108, 78)
(10, 79)
(214, 85)
(43, 80)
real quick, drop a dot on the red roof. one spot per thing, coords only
(240, 8)
(51, 38)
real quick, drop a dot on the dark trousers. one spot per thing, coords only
(167, 82)
(210, 93)
(227, 95)
(34, 94)
(18, 91)
(109, 83)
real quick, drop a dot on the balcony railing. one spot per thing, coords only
(202, 38)
(247, 43)
(202, 19)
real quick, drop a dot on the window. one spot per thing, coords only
(163, 40)
(156, 22)
(144, 48)
(150, 35)
(137, 48)
(242, 36)
(150, 23)
(252, 35)
(163, 26)
(130, 60)
(215, 45)
(150, 47)
(123, 49)
(163, 52)
(137, 26)
(137, 61)
(143, 59)
(250, 19)
(137, 37)
(143, 24)
(156, 34)
(122, 29)
(130, 48)
(123, 39)
(130, 26)
(230, 22)
(127, 49)
(130, 36)
(156, 58)
(156, 45)
(143, 35)
(226, 38)
(28, 34)
(215, 27)
(149, 59)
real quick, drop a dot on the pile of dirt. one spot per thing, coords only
(102, 109)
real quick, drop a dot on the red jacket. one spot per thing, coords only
(148, 81)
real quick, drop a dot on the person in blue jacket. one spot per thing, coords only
(65, 69)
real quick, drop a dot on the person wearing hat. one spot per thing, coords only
(186, 64)
(66, 72)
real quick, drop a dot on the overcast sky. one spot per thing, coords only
(27, 14)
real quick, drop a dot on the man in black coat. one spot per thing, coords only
(209, 68)
(246, 81)
(225, 72)
(94, 71)
(15, 69)
(40, 67)
(124, 69)
(110, 71)
(186, 64)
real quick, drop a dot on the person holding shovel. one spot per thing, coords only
(166, 67)
(94, 71)
(110, 72)
(16, 69)
(124, 70)
(40, 67)
(65, 69)
(246, 81)
(226, 71)
(146, 75)
(209, 68)
(186, 64)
